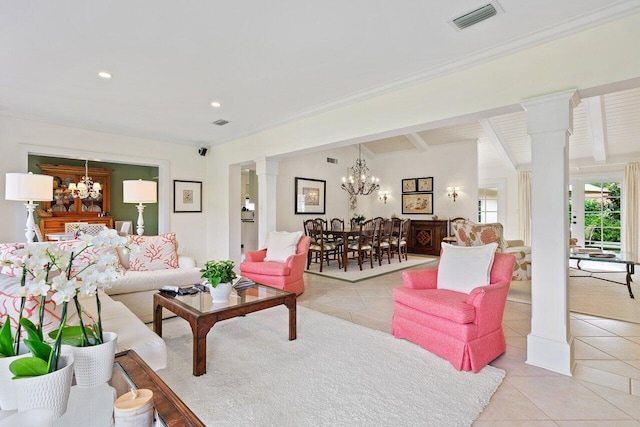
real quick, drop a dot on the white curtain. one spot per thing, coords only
(631, 209)
(524, 205)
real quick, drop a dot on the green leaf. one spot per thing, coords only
(6, 340)
(33, 332)
(72, 335)
(39, 349)
(28, 367)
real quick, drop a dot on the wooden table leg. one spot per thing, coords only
(200, 332)
(157, 318)
(292, 306)
(345, 246)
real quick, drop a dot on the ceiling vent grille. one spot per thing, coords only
(477, 15)
(220, 122)
(332, 160)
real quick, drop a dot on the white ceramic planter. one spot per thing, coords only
(93, 365)
(7, 390)
(220, 294)
(47, 391)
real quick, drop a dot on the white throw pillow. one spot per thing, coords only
(281, 245)
(464, 268)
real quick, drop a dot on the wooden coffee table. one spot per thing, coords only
(202, 314)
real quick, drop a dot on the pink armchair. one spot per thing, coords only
(286, 276)
(465, 329)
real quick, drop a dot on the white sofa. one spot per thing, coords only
(135, 289)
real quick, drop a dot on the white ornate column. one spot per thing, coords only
(267, 172)
(549, 123)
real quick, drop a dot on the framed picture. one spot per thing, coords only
(425, 184)
(187, 196)
(409, 185)
(417, 203)
(310, 196)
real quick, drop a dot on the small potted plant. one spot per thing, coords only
(219, 276)
(358, 218)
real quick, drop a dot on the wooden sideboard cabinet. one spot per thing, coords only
(66, 208)
(425, 236)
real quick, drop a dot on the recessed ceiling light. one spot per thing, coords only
(215, 104)
(104, 75)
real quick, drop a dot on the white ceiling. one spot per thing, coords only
(266, 62)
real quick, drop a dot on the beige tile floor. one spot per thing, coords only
(604, 390)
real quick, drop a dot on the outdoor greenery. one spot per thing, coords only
(602, 214)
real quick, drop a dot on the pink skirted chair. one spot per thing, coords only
(464, 327)
(283, 274)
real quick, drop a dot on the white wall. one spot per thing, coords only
(19, 137)
(449, 165)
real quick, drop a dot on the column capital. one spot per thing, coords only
(551, 113)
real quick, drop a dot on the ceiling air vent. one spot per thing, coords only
(332, 160)
(477, 15)
(220, 122)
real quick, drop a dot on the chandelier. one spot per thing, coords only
(86, 187)
(359, 182)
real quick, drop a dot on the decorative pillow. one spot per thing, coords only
(156, 252)
(281, 245)
(469, 233)
(88, 256)
(464, 268)
(7, 253)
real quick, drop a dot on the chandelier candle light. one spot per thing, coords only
(359, 182)
(86, 187)
(139, 191)
(28, 187)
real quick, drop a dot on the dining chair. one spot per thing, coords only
(73, 227)
(364, 243)
(320, 244)
(383, 242)
(399, 241)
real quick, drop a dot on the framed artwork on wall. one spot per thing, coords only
(425, 184)
(187, 196)
(310, 196)
(417, 203)
(409, 185)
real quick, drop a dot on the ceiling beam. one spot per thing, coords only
(417, 141)
(596, 123)
(366, 151)
(496, 138)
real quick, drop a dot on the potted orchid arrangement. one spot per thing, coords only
(57, 271)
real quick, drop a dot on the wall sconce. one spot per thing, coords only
(383, 195)
(453, 192)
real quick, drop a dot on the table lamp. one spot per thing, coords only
(139, 191)
(27, 187)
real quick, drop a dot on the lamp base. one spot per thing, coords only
(140, 227)
(30, 230)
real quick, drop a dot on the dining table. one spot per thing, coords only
(344, 235)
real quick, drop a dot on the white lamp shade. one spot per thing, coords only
(139, 191)
(28, 187)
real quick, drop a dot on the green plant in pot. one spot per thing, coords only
(217, 272)
(219, 275)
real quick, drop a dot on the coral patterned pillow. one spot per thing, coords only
(156, 252)
(88, 256)
(7, 253)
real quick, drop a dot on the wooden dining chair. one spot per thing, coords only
(363, 245)
(383, 242)
(399, 242)
(320, 245)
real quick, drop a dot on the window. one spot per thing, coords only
(602, 215)
(488, 204)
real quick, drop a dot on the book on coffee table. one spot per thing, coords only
(243, 283)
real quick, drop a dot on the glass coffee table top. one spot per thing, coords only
(203, 302)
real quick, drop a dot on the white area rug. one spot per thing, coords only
(335, 374)
(353, 273)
